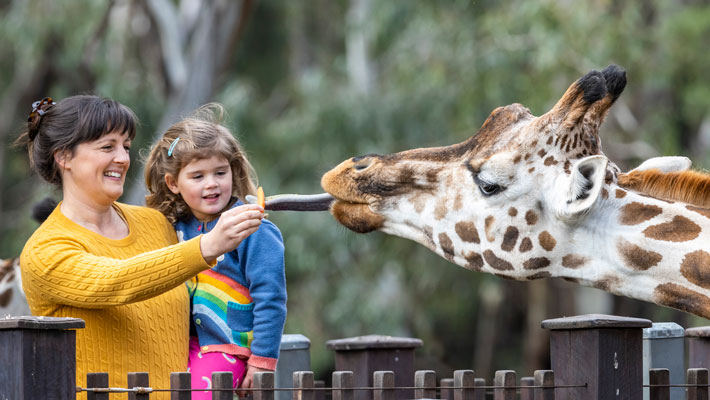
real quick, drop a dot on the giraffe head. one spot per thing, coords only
(506, 194)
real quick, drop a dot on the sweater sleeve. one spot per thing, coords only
(59, 269)
(263, 257)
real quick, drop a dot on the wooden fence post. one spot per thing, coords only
(525, 393)
(446, 392)
(697, 376)
(180, 382)
(38, 357)
(698, 340)
(480, 393)
(363, 355)
(342, 385)
(659, 376)
(504, 379)
(602, 351)
(294, 355)
(384, 384)
(664, 347)
(463, 380)
(97, 380)
(425, 383)
(546, 379)
(138, 380)
(303, 380)
(223, 380)
(263, 381)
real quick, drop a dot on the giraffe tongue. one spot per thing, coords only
(298, 202)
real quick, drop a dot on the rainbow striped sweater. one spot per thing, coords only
(239, 306)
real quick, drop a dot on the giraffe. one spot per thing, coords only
(534, 197)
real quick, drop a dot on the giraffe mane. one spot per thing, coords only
(691, 187)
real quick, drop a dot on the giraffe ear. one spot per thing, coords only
(582, 187)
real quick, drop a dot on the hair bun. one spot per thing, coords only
(39, 108)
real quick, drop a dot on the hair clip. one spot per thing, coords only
(172, 146)
(40, 107)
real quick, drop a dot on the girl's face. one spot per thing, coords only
(95, 171)
(205, 185)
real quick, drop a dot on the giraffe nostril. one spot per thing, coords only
(361, 166)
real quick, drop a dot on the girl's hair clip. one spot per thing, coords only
(172, 146)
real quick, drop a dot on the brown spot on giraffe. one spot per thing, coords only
(680, 229)
(447, 246)
(5, 297)
(635, 213)
(695, 267)
(541, 153)
(676, 296)
(564, 141)
(536, 263)
(702, 211)
(607, 283)
(418, 201)
(546, 240)
(620, 194)
(429, 235)
(488, 225)
(527, 156)
(637, 257)
(458, 202)
(474, 261)
(539, 275)
(440, 210)
(531, 217)
(604, 194)
(549, 140)
(516, 159)
(531, 170)
(467, 232)
(512, 211)
(568, 166)
(432, 175)
(573, 261)
(510, 238)
(550, 161)
(526, 245)
(497, 263)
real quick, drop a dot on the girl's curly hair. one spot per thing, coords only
(200, 136)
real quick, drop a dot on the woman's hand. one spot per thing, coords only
(233, 227)
(248, 381)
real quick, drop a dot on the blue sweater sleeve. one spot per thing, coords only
(262, 257)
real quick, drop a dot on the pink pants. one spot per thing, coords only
(201, 366)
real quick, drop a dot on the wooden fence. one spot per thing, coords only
(592, 357)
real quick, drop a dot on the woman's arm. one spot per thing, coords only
(62, 271)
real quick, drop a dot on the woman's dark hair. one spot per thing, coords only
(68, 123)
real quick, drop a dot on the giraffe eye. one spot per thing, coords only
(488, 189)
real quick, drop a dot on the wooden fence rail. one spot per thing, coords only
(594, 357)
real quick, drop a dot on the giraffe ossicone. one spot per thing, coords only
(533, 197)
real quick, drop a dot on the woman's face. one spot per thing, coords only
(96, 171)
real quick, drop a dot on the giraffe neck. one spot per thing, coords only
(643, 248)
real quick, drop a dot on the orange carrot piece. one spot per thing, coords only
(260, 197)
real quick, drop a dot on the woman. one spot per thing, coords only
(117, 267)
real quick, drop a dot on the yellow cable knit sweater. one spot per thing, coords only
(129, 291)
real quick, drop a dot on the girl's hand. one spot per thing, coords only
(248, 381)
(233, 227)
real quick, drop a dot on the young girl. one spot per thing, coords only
(196, 171)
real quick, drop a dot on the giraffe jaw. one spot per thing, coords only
(358, 217)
